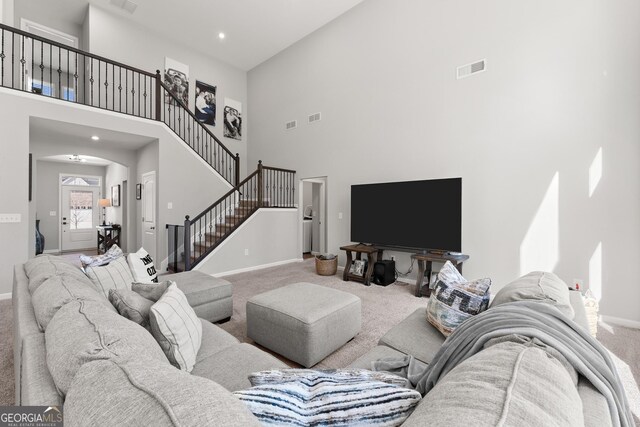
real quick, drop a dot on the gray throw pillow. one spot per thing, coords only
(176, 327)
(115, 275)
(131, 305)
(151, 291)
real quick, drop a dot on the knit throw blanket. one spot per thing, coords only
(537, 321)
(306, 397)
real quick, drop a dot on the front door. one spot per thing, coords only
(149, 213)
(80, 216)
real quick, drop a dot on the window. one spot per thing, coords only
(80, 210)
(42, 88)
(80, 180)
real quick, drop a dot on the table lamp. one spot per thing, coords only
(104, 203)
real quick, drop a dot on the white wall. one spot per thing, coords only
(270, 235)
(115, 174)
(561, 84)
(6, 11)
(47, 188)
(30, 11)
(116, 38)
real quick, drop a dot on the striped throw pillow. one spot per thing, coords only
(331, 397)
(177, 328)
(115, 275)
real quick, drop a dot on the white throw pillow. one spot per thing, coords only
(115, 275)
(177, 328)
(142, 267)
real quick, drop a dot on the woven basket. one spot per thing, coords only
(326, 267)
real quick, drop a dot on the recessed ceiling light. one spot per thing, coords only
(95, 138)
(221, 36)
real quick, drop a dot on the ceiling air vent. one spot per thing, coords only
(469, 69)
(127, 5)
(291, 125)
(315, 117)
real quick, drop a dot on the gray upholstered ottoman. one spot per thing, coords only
(210, 297)
(303, 322)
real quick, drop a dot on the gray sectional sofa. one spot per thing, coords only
(104, 387)
(416, 337)
(106, 371)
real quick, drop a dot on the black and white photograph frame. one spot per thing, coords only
(138, 191)
(115, 195)
(205, 103)
(232, 119)
(176, 78)
(357, 267)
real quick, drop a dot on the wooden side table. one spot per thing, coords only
(108, 235)
(425, 262)
(373, 254)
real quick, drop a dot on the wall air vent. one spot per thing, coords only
(291, 125)
(315, 117)
(473, 68)
(127, 5)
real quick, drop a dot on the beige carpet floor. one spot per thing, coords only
(382, 308)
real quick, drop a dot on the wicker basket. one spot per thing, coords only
(326, 267)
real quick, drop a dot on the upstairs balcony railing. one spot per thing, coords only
(37, 65)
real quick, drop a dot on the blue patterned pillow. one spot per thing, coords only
(454, 299)
(329, 398)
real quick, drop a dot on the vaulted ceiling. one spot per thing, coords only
(255, 30)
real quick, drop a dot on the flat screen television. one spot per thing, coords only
(412, 215)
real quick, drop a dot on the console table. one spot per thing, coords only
(425, 262)
(373, 254)
(108, 235)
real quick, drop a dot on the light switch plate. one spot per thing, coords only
(169, 205)
(10, 218)
(52, 213)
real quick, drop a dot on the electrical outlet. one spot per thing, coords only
(246, 251)
(10, 217)
(339, 215)
(169, 205)
(578, 284)
(52, 213)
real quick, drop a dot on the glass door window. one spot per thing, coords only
(81, 210)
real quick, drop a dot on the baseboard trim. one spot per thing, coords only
(257, 267)
(620, 321)
(5, 296)
(51, 251)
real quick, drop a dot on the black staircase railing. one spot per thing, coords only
(172, 111)
(34, 64)
(266, 187)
